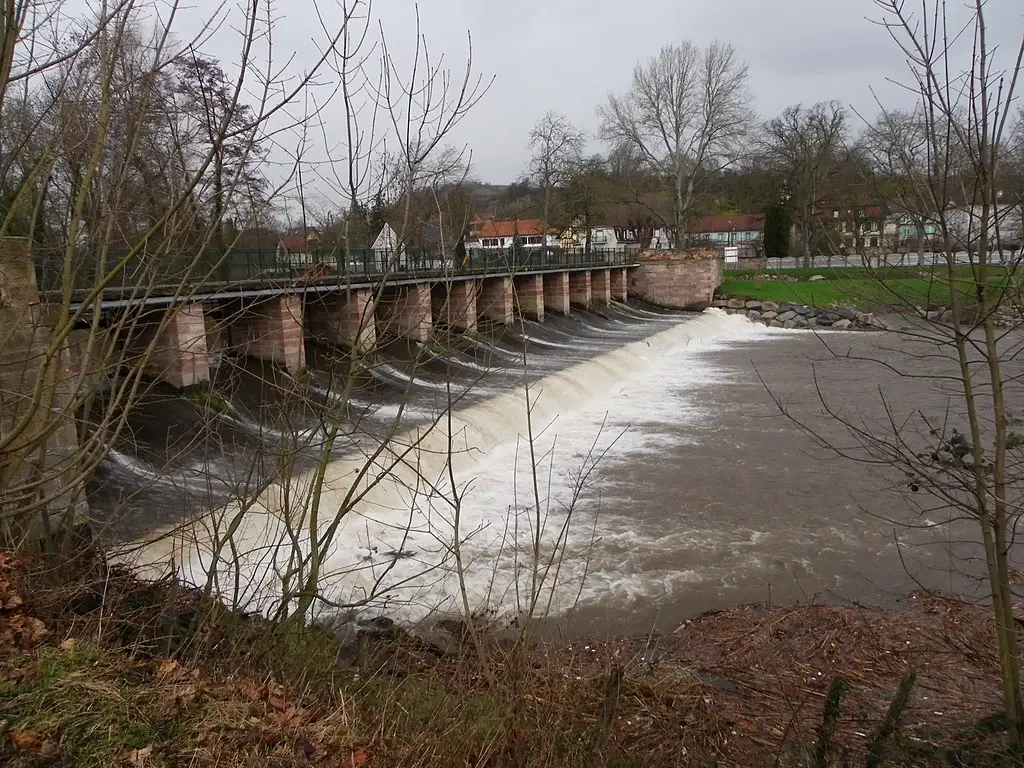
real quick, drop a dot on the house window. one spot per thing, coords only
(874, 242)
(533, 240)
(835, 214)
(490, 242)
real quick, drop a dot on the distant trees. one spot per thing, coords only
(806, 147)
(682, 117)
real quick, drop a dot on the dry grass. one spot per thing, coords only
(738, 688)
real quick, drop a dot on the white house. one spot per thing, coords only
(496, 235)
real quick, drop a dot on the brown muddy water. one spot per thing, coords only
(663, 479)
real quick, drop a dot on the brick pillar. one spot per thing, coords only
(619, 285)
(579, 289)
(601, 286)
(41, 459)
(346, 318)
(180, 356)
(556, 292)
(455, 305)
(495, 301)
(406, 312)
(272, 330)
(529, 294)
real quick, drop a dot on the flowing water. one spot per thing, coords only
(652, 476)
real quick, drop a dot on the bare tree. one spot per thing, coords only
(684, 115)
(557, 147)
(806, 148)
(963, 460)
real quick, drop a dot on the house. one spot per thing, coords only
(630, 226)
(418, 245)
(500, 235)
(298, 246)
(743, 230)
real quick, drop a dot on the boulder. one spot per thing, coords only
(823, 320)
(842, 325)
(720, 303)
(769, 315)
(789, 324)
(770, 306)
(788, 315)
(865, 318)
(801, 310)
(753, 305)
(813, 312)
(775, 324)
(783, 308)
(801, 322)
(754, 314)
(816, 278)
(845, 313)
(736, 304)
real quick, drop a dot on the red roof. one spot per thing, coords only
(737, 222)
(511, 228)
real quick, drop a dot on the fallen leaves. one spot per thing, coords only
(20, 633)
(34, 744)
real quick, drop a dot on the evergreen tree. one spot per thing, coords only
(776, 231)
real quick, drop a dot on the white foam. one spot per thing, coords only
(580, 413)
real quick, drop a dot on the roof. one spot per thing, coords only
(296, 243)
(509, 228)
(628, 216)
(737, 222)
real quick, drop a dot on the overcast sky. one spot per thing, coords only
(566, 55)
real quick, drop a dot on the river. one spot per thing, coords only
(663, 478)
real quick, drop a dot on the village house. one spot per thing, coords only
(627, 226)
(421, 245)
(500, 235)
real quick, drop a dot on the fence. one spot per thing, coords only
(838, 261)
(153, 273)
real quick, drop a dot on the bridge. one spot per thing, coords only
(175, 314)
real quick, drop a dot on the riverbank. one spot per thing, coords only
(113, 671)
(864, 290)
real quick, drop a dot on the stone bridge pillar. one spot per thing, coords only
(677, 279)
(529, 296)
(41, 492)
(556, 292)
(455, 305)
(405, 311)
(272, 330)
(179, 354)
(601, 287)
(344, 318)
(496, 301)
(579, 289)
(619, 284)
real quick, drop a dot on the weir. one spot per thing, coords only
(575, 415)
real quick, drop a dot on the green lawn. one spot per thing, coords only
(857, 288)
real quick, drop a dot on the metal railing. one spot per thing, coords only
(173, 272)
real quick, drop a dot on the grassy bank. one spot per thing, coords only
(90, 683)
(867, 290)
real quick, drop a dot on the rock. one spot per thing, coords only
(783, 308)
(753, 305)
(770, 306)
(769, 315)
(817, 278)
(823, 320)
(775, 324)
(720, 303)
(933, 315)
(801, 322)
(789, 315)
(813, 312)
(845, 313)
(842, 325)
(801, 310)
(789, 324)
(865, 318)
(754, 314)
(736, 304)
